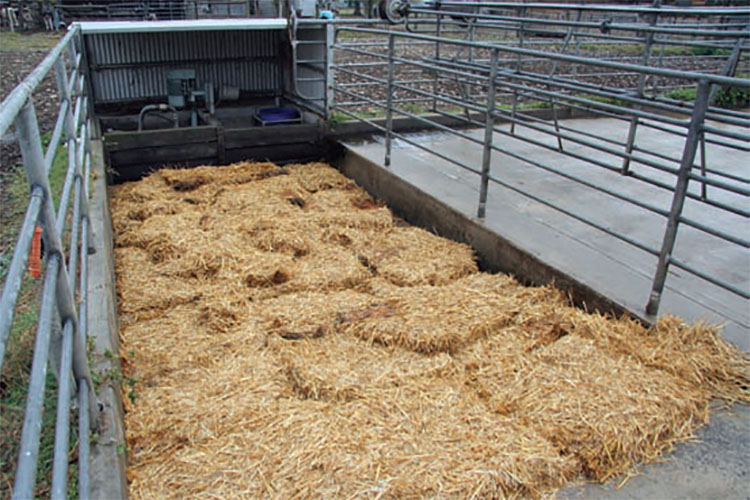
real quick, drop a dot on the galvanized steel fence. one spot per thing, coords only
(61, 330)
(480, 84)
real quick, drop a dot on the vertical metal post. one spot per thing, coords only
(704, 192)
(435, 84)
(488, 131)
(61, 77)
(472, 29)
(330, 76)
(648, 44)
(519, 61)
(729, 69)
(389, 101)
(62, 424)
(678, 200)
(553, 70)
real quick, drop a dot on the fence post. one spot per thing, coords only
(648, 40)
(330, 76)
(389, 101)
(489, 125)
(678, 200)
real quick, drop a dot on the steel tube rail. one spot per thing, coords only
(678, 201)
(18, 266)
(711, 279)
(612, 168)
(640, 159)
(58, 295)
(54, 143)
(610, 26)
(630, 9)
(575, 216)
(12, 104)
(598, 90)
(62, 209)
(62, 424)
(488, 133)
(27, 459)
(685, 75)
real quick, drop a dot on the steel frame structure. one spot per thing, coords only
(62, 323)
(480, 83)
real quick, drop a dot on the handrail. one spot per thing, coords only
(62, 283)
(489, 81)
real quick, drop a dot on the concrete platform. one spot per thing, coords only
(538, 239)
(614, 268)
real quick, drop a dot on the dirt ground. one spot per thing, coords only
(19, 55)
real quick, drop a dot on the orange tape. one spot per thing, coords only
(35, 256)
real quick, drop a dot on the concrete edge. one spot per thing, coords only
(108, 452)
(494, 252)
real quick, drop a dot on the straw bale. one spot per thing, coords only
(149, 188)
(271, 197)
(430, 319)
(238, 173)
(295, 236)
(316, 177)
(309, 314)
(566, 389)
(292, 339)
(408, 256)
(695, 353)
(138, 290)
(341, 209)
(163, 236)
(409, 435)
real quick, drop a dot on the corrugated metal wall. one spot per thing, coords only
(132, 66)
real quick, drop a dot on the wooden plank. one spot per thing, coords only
(164, 154)
(121, 141)
(268, 136)
(135, 172)
(280, 153)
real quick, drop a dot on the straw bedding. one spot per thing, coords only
(291, 338)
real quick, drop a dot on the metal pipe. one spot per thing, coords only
(488, 133)
(711, 279)
(62, 209)
(678, 200)
(54, 142)
(604, 25)
(629, 9)
(62, 424)
(687, 75)
(17, 267)
(389, 102)
(11, 106)
(23, 487)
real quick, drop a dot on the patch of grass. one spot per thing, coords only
(29, 41)
(727, 97)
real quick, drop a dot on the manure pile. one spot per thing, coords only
(292, 339)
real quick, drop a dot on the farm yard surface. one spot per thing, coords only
(285, 336)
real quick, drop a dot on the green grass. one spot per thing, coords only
(726, 97)
(14, 378)
(30, 41)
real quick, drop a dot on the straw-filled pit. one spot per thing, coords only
(291, 338)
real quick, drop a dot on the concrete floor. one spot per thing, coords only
(718, 465)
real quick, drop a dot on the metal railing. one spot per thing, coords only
(61, 330)
(480, 84)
